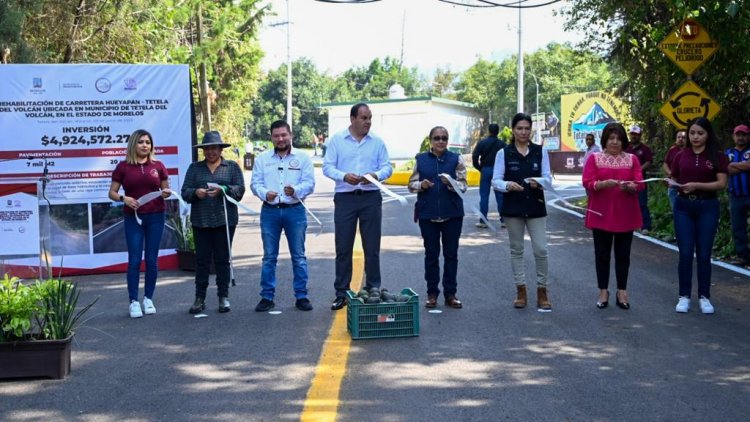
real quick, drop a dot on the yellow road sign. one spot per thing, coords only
(689, 45)
(688, 103)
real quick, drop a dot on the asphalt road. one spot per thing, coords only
(486, 362)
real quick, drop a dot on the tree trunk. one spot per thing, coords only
(202, 81)
(70, 48)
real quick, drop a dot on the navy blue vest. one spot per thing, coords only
(528, 203)
(738, 184)
(438, 201)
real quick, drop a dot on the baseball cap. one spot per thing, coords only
(741, 128)
(635, 129)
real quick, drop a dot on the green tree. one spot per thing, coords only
(310, 88)
(629, 34)
(373, 81)
(559, 68)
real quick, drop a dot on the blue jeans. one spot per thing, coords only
(485, 186)
(447, 232)
(293, 221)
(695, 224)
(146, 236)
(672, 194)
(739, 208)
(643, 203)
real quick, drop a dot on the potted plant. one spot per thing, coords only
(37, 324)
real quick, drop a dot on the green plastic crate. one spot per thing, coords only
(383, 320)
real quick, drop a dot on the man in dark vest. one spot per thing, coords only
(483, 159)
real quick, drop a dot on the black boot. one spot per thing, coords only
(198, 306)
(224, 305)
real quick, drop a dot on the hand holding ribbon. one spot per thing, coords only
(385, 190)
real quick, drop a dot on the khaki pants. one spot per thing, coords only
(537, 228)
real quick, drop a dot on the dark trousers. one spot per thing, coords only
(603, 241)
(485, 187)
(211, 243)
(447, 232)
(643, 203)
(365, 208)
(739, 208)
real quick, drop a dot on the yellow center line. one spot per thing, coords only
(322, 400)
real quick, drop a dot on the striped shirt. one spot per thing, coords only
(739, 184)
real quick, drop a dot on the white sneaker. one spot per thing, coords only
(148, 306)
(706, 306)
(683, 305)
(481, 225)
(135, 309)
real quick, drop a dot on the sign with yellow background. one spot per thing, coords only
(688, 46)
(588, 112)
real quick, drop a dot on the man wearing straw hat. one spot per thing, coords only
(282, 179)
(213, 218)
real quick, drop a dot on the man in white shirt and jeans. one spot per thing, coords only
(352, 154)
(282, 179)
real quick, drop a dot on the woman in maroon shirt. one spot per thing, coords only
(701, 171)
(138, 175)
(611, 179)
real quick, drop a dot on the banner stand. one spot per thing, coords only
(25, 228)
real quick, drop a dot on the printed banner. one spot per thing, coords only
(71, 123)
(588, 112)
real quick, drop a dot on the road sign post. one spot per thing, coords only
(688, 46)
(689, 102)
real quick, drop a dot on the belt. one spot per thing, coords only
(360, 192)
(697, 197)
(281, 205)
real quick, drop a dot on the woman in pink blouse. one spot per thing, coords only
(611, 177)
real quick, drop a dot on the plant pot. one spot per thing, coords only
(35, 358)
(186, 261)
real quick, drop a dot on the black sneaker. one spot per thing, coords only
(303, 304)
(264, 305)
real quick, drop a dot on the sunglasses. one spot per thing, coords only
(440, 138)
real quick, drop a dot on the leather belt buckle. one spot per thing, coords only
(692, 197)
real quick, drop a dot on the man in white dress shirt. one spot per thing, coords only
(282, 179)
(352, 154)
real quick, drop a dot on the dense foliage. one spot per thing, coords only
(628, 34)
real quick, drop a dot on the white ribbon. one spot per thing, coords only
(387, 191)
(669, 181)
(320, 225)
(232, 200)
(547, 185)
(226, 225)
(155, 194)
(457, 189)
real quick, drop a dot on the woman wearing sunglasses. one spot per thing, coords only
(440, 213)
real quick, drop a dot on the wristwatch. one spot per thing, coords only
(122, 198)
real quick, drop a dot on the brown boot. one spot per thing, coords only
(542, 303)
(520, 301)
